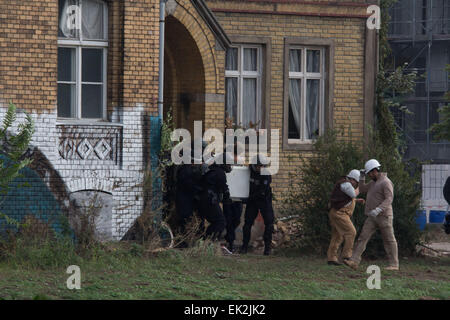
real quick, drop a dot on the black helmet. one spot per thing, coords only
(259, 160)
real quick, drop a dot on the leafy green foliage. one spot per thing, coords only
(441, 130)
(385, 143)
(13, 152)
(166, 142)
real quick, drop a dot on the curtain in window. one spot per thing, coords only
(231, 98)
(249, 113)
(68, 18)
(313, 61)
(249, 102)
(295, 58)
(250, 59)
(312, 109)
(92, 20)
(294, 101)
(231, 59)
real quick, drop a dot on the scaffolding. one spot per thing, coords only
(419, 34)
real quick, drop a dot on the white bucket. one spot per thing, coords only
(238, 181)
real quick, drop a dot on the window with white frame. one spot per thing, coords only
(306, 93)
(82, 54)
(243, 71)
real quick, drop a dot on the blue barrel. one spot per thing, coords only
(421, 219)
(437, 216)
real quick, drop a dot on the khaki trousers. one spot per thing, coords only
(385, 224)
(342, 230)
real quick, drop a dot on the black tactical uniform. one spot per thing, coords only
(446, 192)
(184, 197)
(215, 190)
(232, 212)
(260, 198)
(187, 192)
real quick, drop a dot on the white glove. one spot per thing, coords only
(374, 213)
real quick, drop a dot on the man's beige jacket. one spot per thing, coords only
(380, 194)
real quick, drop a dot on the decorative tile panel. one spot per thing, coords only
(90, 143)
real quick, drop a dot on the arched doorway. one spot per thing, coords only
(96, 207)
(184, 76)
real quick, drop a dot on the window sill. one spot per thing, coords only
(87, 122)
(299, 145)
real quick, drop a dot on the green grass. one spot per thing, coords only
(117, 274)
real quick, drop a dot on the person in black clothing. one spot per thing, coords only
(446, 192)
(215, 190)
(184, 197)
(260, 198)
(188, 190)
(232, 212)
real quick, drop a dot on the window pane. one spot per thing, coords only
(231, 98)
(294, 108)
(295, 60)
(231, 59)
(250, 59)
(66, 64)
(66, 100)
(92, 101)
(249, 103)
(92, 20)
(313, 62)
(68, 25)
(92, 65)
(312, 108)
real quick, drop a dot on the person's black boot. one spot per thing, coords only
(267, 250)
(243, 249)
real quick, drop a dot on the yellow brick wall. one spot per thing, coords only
(141, 53)
(28, 54)
(115, 54)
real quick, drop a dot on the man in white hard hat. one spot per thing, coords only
(342, 204)
(380, 193)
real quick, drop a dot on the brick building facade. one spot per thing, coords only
(301, 66)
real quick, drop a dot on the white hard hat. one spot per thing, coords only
(371, 164)
(354, 174)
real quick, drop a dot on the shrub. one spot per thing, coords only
(311, 186)
(441, 130)
(13, 153)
